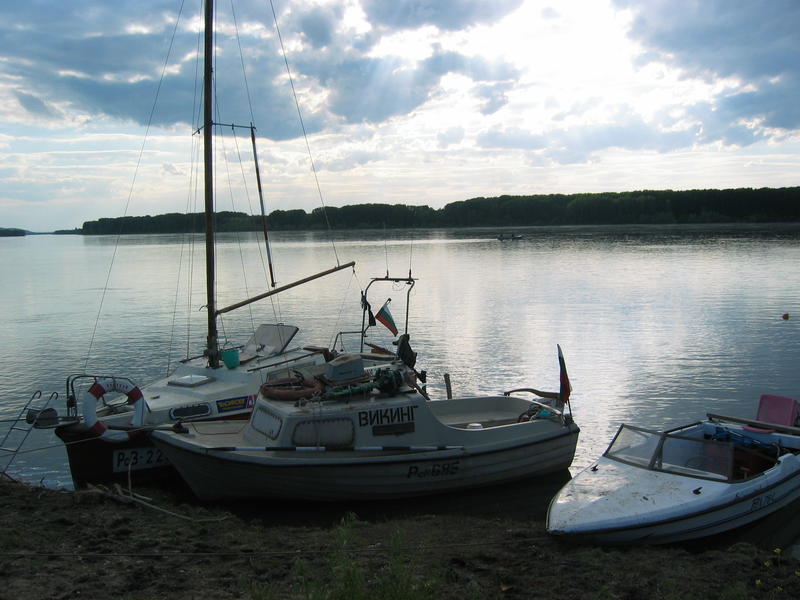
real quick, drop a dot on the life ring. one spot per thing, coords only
(98, 389)
(291, 389)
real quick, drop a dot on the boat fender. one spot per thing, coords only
(98, 389)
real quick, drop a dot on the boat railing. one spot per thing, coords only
(339, 340)
(34, 414)
(759, 424)
(367, 317)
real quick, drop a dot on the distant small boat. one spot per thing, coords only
(652, 487)
(509, 237)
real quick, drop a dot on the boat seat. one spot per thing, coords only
(780, 410)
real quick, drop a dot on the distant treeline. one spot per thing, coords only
(743, 205)
(6, 232)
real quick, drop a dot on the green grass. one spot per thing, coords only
(351, 572)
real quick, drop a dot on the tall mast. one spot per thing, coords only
(212, 349)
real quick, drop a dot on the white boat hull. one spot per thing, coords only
(617, 502)
(375, 447)
(354, 475)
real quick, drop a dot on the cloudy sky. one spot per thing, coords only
(403, 101)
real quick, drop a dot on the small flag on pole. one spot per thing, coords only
(565, 388)
(366, 307)
(385, 317)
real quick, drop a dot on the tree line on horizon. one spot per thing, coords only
(11, 232)
(742, 205)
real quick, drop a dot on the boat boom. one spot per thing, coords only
(282, 288)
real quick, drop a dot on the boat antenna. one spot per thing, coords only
(385, 249)
(410, 257)
(212, 347)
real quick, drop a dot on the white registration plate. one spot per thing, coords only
(135, 459)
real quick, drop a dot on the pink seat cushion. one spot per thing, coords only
(779, 410)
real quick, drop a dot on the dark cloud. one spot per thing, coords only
(369, 89)
(35, 106)
(625, 132)
(475, 67)
(318, 25)
(448, 15)
(755, 42)
(373, 89)
(107, 58)
(493, 95)
(750, 39)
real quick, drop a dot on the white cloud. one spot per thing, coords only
(414, 100)
(453, 135)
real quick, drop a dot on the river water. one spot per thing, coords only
(658, 324)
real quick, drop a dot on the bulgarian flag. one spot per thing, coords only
(385, 317)
(566, 387)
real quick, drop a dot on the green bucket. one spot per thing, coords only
(231, 357)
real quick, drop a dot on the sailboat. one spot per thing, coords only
(108, 417)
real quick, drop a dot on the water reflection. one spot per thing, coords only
(659, 324)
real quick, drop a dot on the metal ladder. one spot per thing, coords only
(29, 417)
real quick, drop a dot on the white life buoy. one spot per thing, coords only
(98, 389)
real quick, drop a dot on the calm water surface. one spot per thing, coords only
(659, 325)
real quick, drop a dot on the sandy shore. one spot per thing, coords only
(486, 544)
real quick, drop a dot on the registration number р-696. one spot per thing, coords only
(138, 458)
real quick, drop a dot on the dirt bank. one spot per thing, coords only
(90, 544)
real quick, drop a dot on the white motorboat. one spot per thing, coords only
(694, 481)
(348, 431)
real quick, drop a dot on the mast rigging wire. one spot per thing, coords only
(133, 185)
(303, 127)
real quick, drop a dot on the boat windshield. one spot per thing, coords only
(668, 451)
(634, 445)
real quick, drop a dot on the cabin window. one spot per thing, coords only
(324, 432)
(190, 412)
(266, 422)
